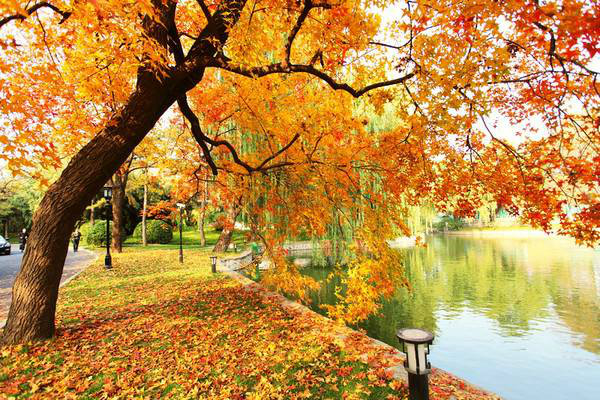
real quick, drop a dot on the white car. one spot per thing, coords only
(4, 246)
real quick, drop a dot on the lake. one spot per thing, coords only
(517, 316)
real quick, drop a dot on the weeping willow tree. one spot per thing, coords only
(332, 242)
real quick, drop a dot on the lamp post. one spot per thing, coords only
(107, 193)
(213, 259)
(415, 344)
(181, 206)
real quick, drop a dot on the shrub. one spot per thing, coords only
(157, 231)
(85, 229)
(453, 224)
(95, 235)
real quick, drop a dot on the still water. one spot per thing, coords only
(519, 317)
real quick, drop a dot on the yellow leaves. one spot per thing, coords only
(156, 328)
(379, 99)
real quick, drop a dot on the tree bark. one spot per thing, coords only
(144, 240)
(203, 216)
(201, 227)
(92, 213)
(35, 291)
(118, 202)
(225, 238)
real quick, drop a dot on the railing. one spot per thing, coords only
(237, 263)
(291, 248)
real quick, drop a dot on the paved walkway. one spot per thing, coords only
(10, 266)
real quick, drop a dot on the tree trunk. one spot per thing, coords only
(35, 291)
(144, 240)
(6, 228)
(203, 216)
(201, 227)
(92, 213)
(225, 238)
(34, 294)
(118, 202)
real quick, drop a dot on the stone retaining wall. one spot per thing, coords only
(236, 263)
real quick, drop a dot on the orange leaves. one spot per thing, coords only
(164, 210)
(464, 25)
(426, 139)
(154, 328)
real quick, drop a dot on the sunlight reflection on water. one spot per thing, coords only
(519, 317)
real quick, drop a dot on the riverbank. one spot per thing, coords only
(519, 232)
(152, 327)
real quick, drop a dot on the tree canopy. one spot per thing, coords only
(316, 112)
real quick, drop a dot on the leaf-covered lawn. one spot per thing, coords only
(153, 328)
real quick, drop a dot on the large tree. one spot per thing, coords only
(96, 76)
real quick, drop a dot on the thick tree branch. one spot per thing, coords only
(202, 141)
(33, 9)
(281, 68)
(205, 9)
(174, 43)
(308, 5)
(217, 29)
(196, 131)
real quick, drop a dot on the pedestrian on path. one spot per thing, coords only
(76, 237)
(23, 239)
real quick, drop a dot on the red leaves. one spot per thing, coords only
(345, 371)
(164, 329)
(158, 327)
(464, 26)
(447, 386)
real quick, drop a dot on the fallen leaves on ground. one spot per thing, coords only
(154, 328)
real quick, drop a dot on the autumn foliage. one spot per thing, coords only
(316, 113)
(154, 328)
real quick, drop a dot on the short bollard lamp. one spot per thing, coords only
(213, 259)
(107, 194)
(415, 344)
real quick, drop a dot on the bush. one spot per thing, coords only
(95, 235)
(85, 230)
(157, 231)
(453, 224)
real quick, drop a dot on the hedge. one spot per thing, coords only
(157, 231)
(95, 235)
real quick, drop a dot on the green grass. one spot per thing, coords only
(190, 239)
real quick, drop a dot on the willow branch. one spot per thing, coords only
(279, 152)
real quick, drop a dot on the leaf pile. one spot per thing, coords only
(154, 328)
